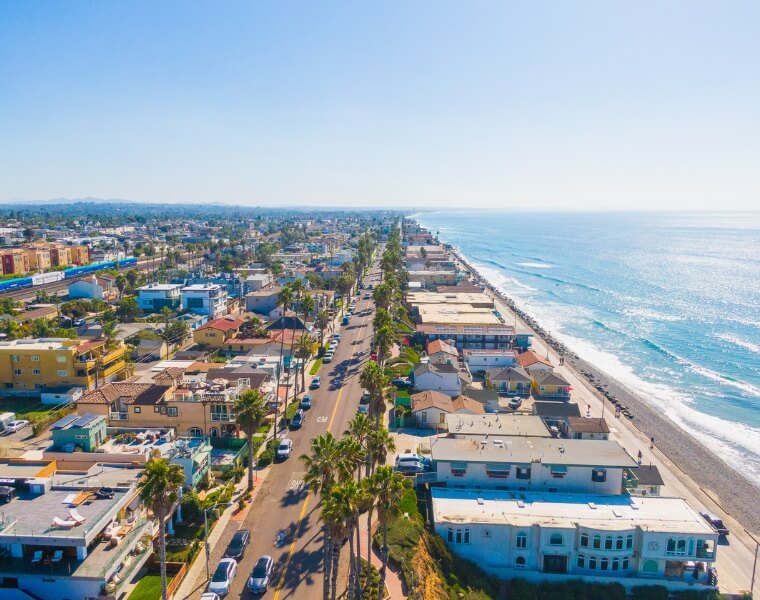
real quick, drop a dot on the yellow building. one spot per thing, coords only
(80, 255)
(15, 261)
(60, 255)
(218, 332)
(53, 362)
(39, 258)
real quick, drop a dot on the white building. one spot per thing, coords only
(155, 296)
(482, 359)
(205, 299)
(445, 378)
(531, 464)
(538, 536)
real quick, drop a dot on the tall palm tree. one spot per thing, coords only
(374, 380)
(379, 444)
(250, 409)
(360, 429)
(321, 323)
(321, 473)
(351, 457)
(388, 488)
(345, 501)
(110, 329)
(159, 489)
(384, 339)
(334, 525)
(284, 300)
(304, 350)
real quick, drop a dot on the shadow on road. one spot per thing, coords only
(292, 497)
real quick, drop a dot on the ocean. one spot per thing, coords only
(668, 304)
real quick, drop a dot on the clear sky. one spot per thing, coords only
(565, 104)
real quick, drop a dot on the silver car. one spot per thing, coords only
(259, 579)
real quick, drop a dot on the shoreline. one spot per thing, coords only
(685, 453)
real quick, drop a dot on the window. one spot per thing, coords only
(450, 535)
(80, 437)
(615, 564)
(671, 547)
(625, 563)
(138, 410)
(599, 475)
(466, 536)
(649, 566)
(36, 372)
(603, 564)
(592, 563)
(619, 543)
(17, 371)
(681, 546)
(442, 417)
(156, 409)
(35, 358)
(172, 411)
(584, 539)
(555, 539)
(62, 373)
(497, 470)
(163, 410)
(523, 472)
(597, 541)
(458, 536)
(629, 542)
(458, 469)
(15, 358)
(608, 543)
(520, 562)
(581, 561)
(8, 385)
(487, 533)
(60, 359)
(558, 471)
(195, 432)
(522, 540)
(423, 417)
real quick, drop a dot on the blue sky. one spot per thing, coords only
(573, 105)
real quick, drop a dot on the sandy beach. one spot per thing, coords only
(675, 450)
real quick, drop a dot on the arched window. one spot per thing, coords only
(584, 539)
(625, 563)
(603, 564)
(629, 542)
(522, 540)
(555, 539)
(213, 432)
(615, 564)
(581, 561)
(649, 566)
(681, 546)
(671, 547)
(597, 541)
(608, 543)
(195, 432)
(592, 563)
(619, 543)
(520, 562)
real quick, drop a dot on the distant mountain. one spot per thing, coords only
(77, 201)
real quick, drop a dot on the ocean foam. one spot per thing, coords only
(533, 265)
(737, 341)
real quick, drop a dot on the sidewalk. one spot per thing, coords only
(392, 580)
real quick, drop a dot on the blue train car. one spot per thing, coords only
(13, 284)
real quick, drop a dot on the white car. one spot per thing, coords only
(223, 576)
(210, 596)
(327, 358)
(15, 426)
(284, 449)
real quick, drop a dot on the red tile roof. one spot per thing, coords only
(223, 324)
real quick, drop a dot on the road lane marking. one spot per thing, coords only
(321, 419)
(281, 582)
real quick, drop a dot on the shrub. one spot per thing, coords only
(650, 592)
(266, 458)
(191, 506)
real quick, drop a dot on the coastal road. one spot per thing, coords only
(283, 502)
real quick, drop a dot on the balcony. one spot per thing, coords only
(118, 416)
(222, 417)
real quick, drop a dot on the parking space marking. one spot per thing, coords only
(321, 419)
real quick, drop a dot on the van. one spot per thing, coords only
(6, 419)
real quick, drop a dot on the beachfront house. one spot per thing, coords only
(429, 409)
(548, 384)
(445, 378)
(511, 380)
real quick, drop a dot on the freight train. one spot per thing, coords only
(52, 276)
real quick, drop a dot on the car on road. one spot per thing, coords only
(306, 402)
(15, 426)
(716, 522)
(346, 320)
(223, 576)
(297, 421)
(236, 547)
(328, 357)
(366, 396)
(367, 296)
(336, 336)
(315, 383)
(262, 570)
(515, 403)
(285, 448)
(363, 409)
(336, 383)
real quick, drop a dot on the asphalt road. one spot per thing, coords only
(284, 502)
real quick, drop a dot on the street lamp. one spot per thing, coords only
(205, 535)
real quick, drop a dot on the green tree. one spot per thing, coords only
(121, 284)
(251, 410)
(159, 489)
(128, 311)
(322, 322)
(110, 329)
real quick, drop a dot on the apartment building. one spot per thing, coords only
(15, 261)
(205, 299)
(72, 534)
(155, 296)
(80, 255)
(44, 363)
(39, 258)
(60, 255)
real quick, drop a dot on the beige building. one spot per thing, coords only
(39, 258)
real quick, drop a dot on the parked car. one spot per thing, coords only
(210, 596)
(716, 522)
(363, 409)
(366, 397)
(336, 336)
(297, 421)
(328, 357)
(236, 547)
(285, 447)
(259, 579)
(346, 320)
(515, 403)
(409, 467)
(306, 402)
(223, 576)
(315, 383)
(15, 426)
(411, 456)
(367, 296)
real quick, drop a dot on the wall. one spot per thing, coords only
(446, 383)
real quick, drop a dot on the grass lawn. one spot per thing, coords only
(292, 408)
(315, 367)
(27, 408)
(149, 588)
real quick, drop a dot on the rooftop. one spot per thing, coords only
(463, 329)
(525, 450)
(613, 513)
(456, 314)
(584, 425)
(463, 297)
(512, 425)
(40, 344)
(159, 287)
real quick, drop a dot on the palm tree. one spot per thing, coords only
(321, 472)
(374, 380)
(345, 501)
(110, 329)
(284, 299)
(121, 284)
(304, 350)
(384, 339)
(159, 489)
(388, 488)
(360, 428)
(250, 409)
(167, 313)
(379, 444)
(321, 322)
(334, 526)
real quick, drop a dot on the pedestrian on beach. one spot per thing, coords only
(651, 443)
(641, 456)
